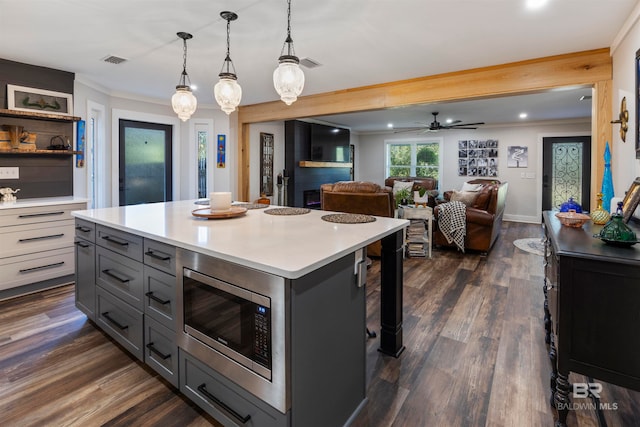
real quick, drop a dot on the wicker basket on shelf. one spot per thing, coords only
(572, 218)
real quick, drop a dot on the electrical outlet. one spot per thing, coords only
(9, 172)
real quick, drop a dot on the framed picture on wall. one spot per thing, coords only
(478, 158)
(517, 157)
(20, 98)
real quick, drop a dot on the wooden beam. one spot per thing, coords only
(536, 75)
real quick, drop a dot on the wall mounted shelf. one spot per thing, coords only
(37, 116)
(312, 164)
(39, 152)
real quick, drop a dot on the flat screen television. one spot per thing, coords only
(329, 143)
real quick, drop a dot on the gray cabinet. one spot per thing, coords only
(161, 351)
(123, 322)
(225, 401)
(85, 258)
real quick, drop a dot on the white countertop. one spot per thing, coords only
(44, 201)
(288, 245)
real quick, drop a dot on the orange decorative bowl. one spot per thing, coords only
(572, 218)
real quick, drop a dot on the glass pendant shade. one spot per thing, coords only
(288, 80)
(228, 93)
(184, 103)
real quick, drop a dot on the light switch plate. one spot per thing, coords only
(10, 172)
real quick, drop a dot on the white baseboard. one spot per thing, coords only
(522, 218)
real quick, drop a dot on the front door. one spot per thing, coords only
(145, 162)
(566, 171)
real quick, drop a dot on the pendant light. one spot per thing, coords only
(227, 91)
(288, 78)
(184, 103)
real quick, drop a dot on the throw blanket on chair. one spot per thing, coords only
(452, 222)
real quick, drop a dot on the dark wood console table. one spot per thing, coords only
(592, 309)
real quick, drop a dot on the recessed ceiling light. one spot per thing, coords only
(536, 4)
(523, 115)
(193, 87)
(390, 125)
(585, 98)
(449, 120)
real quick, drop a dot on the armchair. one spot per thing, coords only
(483, 216)
(358, 197)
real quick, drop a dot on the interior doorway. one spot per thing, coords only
(145, 162)
(566, 171)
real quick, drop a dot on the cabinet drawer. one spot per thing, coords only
(38, 214)
(33, 268)
(121, 321)
(160, 256)
(121, 276)
(86, 277)
(160, 296)
(85, 230)
(161, 350)
(119, 241)
(225, 401)
(26, 239)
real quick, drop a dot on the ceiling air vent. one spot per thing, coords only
(112, 59)
(309, 63)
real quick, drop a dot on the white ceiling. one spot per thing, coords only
(358, 42)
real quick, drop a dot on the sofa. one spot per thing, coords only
(429, 184)
(359, 197)
(484, 212)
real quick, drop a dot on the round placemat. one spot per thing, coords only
(247, 205)
(287, 211)
(347, 218)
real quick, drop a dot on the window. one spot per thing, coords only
(419, 158)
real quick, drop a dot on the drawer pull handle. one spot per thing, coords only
(156, 256)
(40, 214)
(42, 267)
(31, 239)
(115, 322)
(83, 229)
(202, 388)
(157, 352)
(116, 241)
(156, 299)
(115, 276)
(82, 244)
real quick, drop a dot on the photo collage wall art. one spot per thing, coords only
(478, 158)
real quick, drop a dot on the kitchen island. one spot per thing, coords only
(318, 319)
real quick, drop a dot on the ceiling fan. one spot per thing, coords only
(435, 125)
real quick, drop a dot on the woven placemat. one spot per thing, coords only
(287, 211)
(245, 205)
(347, 218)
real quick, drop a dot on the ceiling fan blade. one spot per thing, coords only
(458, 127)
(466, 124)
(401, 130)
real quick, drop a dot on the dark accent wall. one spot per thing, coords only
(297, 141)
(17, 73)
(41, 175)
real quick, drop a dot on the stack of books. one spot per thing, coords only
(416, 238)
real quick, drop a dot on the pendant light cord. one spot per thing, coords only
(227, 60)
(289, 41)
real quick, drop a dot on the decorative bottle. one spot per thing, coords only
(599, 215)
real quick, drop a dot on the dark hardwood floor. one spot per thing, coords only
(475, 355)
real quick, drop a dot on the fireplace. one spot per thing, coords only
(311, 199)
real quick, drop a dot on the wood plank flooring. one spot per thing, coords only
(475, 355)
